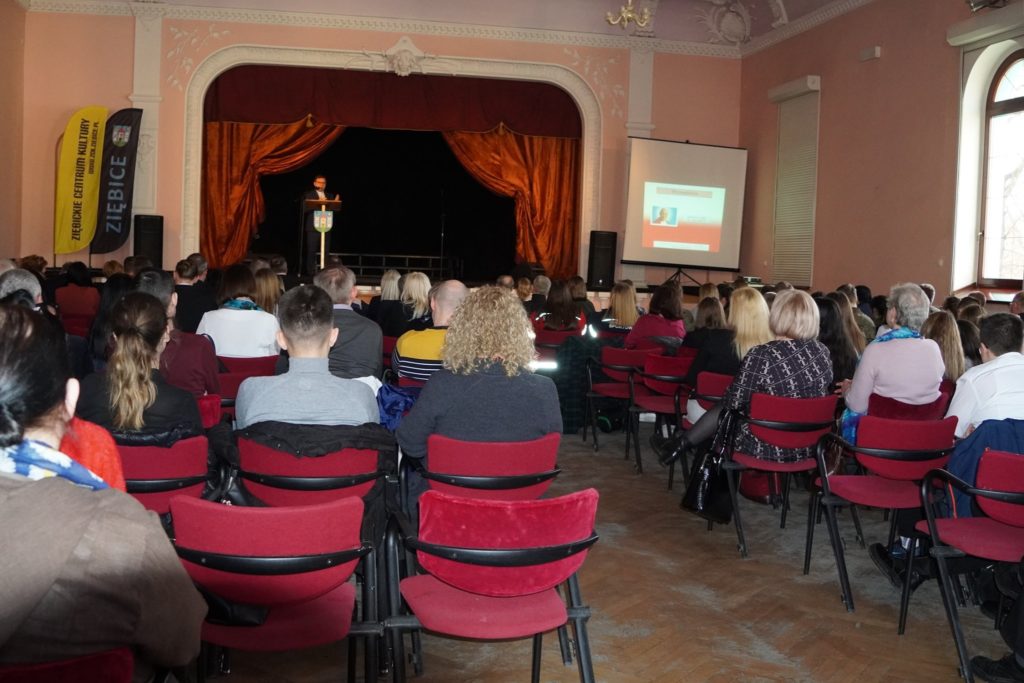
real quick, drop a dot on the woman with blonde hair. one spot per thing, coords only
(389, 291)
(132, 396)
(486, 378)
(941, 328)
(268, 290)
(621, 314)
(748, 319)
(413, 310)
(708, 290)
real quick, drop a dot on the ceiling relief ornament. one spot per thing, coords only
(185, 45)
(596, 72)
(728, 21)
(779, 15)
(404, 57)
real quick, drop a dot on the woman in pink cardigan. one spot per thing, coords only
(664, 320)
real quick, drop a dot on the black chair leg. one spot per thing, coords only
(593, 421)
(905, 595)
(579, 627)
(812, 513)
(538, 642)
(856, 525)
(351, 668)
(786, 479)
(894, 516)
(953, 616)
(832, 523)
(732, 476)
(629, 431)
(639, 465)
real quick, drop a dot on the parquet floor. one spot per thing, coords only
(673, 602)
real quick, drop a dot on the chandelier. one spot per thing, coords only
(627, 15)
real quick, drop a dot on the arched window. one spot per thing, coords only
(1001, 257)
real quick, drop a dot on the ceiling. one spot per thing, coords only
(722, 22)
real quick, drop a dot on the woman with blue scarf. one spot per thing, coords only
(899, 364)
(240, 328)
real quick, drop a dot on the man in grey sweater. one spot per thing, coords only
(308, 393)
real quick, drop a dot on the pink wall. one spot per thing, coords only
(887, 144)
(12, 46)
(70, 61)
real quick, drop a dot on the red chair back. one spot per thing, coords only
(492, 459)
(143, 466)
(711, 384)
(209, 409)
(256, 459)
(795, 410)
(883, 406)
(410, 382)
(110, 666)
(388, 347)
(260, 366)
(268, 532)
(687, 352)
(468, 523)
(631, 357)
(665, 365)
(1001, 471)
(904, 435)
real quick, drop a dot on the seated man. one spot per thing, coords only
(993, 390)
(357, 352)
(194, 297)
(417, 353)
(187, 361)
(308, 393)
(1017, 304)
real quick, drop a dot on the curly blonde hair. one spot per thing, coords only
(490, 326)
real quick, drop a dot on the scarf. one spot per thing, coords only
(850, 418)
(36, 461)
(241, 305)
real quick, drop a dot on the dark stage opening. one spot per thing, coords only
(400, 190)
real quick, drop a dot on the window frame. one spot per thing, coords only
(992, 110)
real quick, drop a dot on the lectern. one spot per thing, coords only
(323, 220)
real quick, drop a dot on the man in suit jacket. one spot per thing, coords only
(312, 237)
(195, 298)
(359, 347)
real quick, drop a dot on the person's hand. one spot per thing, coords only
(844, 387)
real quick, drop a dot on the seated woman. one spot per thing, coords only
(665, 319)
(793, 365)
(99, 542)
(78, 300)
(268, 290)
(578, 287)
(560, 312)
(240, 328)
(709, 317)
(99, 343)
(486, 379)
(389, 291)
(942, 329)
(411, 312)
(621, 314)
(131, 399)
(834, 334)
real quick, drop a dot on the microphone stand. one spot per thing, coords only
(442, 234)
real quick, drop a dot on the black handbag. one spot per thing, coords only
(707, 494)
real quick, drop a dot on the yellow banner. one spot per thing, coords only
(78, 180)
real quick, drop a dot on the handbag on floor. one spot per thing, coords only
(707, 494)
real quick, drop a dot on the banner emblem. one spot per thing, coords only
(121, 135)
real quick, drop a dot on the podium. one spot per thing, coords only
(322, 211)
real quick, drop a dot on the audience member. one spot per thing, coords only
(134, 264)
(1017, 304)
(258, 264)
(970, 339)
(559, 313)
(112, 267)
(664, 320)
(541, 287)
(99, 341)
(485, 392)
(978, 296)
(417, 353)
(864, 322)
(202, 267)
(413, 313)
(524, 290)
(78, 298)
(268, 289)
(863, 298)
(929, 291)
(952, 304)
(849, 321)
(578, 288)
(708, 290)
(358, 351)
(972, 312)
(941, 328)
(505, 281)
(709, 316)
(308, 393)
(98, 543)
(621, 314)
(993, 390)
(187, 361)
(194, 298)
(835, 336)
(389, 291)
(131, 399)
(240, 328)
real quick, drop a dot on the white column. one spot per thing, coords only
(146, 96)
(638, 119)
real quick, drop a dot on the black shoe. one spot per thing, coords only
(659, 442)
(1005, 670)
(673, 450)
(880, 556)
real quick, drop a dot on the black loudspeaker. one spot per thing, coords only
(149, 238)
(601, 264)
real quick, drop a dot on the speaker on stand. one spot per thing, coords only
(149, 238)
(601, 263)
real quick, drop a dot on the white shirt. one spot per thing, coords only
(241, 334)
(990, 391)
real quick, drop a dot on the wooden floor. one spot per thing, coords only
(673, 602)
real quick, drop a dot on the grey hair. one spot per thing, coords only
(7, 264)
(19, 278)
(200, 262)
(911, 305)
(542, 283)
(338, 282)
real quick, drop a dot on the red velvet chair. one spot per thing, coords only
(110, 666)
(295, 562)
(791, 423)
(997, 537)
(616, 365)
(895, 454)
(388, 347)
(666, 394)
(154, 475)
(78, 308)
(239, 370)
(548, 341)
(882, 406)
(492, 568)
(518, 470)
(279, 479)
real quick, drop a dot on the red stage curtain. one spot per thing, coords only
(279, 94)
(541, 173)
(237, 155)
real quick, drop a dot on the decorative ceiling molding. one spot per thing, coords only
(804, 23)
(25, 4)
(220, 61)
(390, 25)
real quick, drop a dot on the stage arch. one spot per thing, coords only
(222, 60)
